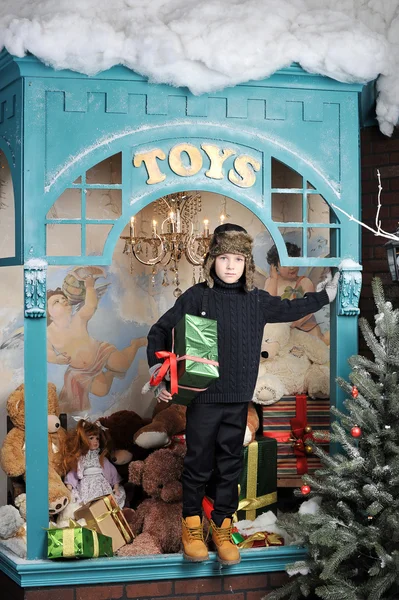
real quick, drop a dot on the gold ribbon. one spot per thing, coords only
(68, 543)
(115, 512)
(251, 503)
(271, 539)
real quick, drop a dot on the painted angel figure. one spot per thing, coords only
(92, 365)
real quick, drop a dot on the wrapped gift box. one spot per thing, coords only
(77, 542)
(258, 480)
(285, 421)
(261, 539)
(104, 515)
(196, 346)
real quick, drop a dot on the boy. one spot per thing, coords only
(216, 418)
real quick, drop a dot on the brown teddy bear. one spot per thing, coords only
(157, 520)
(167, 420)
(122, 426)
(12, 453)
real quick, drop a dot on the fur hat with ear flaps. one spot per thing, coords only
(230, 239)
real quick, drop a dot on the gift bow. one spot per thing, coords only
(169, 364)
(115, 512)
(270, 539)
(300, 437)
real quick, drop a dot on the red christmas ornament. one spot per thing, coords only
(356, 431)
(355, 392)
(305, 489)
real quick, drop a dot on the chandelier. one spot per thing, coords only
(173, 236)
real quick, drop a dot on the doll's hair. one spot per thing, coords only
(57, 292)
(77, 443)
(273, 258)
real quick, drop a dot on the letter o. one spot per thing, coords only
(176, 164)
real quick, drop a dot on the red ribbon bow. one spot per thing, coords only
(169, 364)
(301, 437)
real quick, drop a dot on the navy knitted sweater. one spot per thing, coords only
(241, 317)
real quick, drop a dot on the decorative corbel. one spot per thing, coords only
(35, 273)
(349, 287)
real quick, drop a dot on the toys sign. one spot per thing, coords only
(186, 160)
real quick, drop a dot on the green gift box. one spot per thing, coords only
(196, 346)
(258, 479)
(77, 542)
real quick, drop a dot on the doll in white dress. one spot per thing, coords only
(90, 473)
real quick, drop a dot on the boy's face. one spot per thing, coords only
(58, 306)
(230, 267)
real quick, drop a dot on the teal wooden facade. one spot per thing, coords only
(55, 125)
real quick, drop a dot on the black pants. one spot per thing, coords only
(214, 437)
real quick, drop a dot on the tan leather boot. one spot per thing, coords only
(194, 547)
(228, 552)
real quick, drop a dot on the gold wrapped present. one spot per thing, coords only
(105, 516)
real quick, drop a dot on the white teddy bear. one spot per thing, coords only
(297, 363)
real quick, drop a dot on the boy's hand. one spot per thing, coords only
(164, 395)
(330, 284)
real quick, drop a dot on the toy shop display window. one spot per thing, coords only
(7, 211)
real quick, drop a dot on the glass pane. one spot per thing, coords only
(106, 171)
(103, 204)
(293, 236)
(319, 242)
(285, 177)
(67, 206)
(96, 236)
(63, 240)
(318, 209)
(287, 208)
(7, 210)
(310, 186)
(78, 180)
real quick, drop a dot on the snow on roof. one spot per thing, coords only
(208, 45)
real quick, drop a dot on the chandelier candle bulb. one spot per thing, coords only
(132, 228)
(154, 227)
(206, 227)
(172, 222)
(221, 219)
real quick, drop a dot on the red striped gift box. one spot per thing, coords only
(285, 421)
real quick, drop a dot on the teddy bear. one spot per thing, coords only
(167, 421)
(12, 453)
(13, 526)
(121, 427)
(157, 521)
(297, 362)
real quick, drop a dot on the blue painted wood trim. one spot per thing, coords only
(35, 378)
(40, 573)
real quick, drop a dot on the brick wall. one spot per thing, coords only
(378, 152)
(239, 587)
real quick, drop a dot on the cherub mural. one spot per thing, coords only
(92, 365)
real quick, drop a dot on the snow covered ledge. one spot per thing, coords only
(46, 573)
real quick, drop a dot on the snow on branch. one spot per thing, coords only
(377, 231)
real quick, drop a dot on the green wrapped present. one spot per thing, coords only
(258, 480)
(77, 542)
(196, 349)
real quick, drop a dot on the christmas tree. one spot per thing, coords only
(353, 538)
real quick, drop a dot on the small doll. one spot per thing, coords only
(89, 472)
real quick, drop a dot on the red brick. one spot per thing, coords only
(245, 582)
(51, 594)
(181, 597)
(257, 594)
(393, 157)
(372, 160)
(394, 184)
(223, 596)
(198, 586)
(278, 579)
(144, 590)
(99, 592)
(385, 145)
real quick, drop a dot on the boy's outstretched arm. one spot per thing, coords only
(276, 310)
